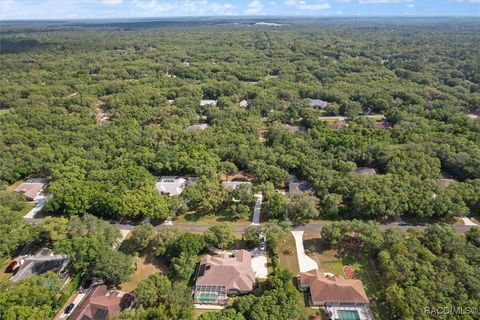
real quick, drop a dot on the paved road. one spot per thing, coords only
(306, 227)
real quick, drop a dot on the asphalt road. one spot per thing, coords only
(306, 227)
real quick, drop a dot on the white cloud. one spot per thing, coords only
(303, 5)
(254, 7)
(314, 6)
(112, 2)
(383, 1)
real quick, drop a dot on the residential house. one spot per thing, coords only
(292, 129)
(207, 102)
(297, 185)
(365, 171)
(41, 262)
(317, 103)
(234, 184)
(219, 276)
(174, 186)
(339, 296)
(32, 188)
(198, 126)
(101, 304)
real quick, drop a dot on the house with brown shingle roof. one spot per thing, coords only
(333, 291)
(31, 188)
(219, 276)
(101, 304)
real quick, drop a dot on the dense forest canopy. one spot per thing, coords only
(87, 106)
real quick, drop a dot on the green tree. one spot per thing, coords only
(302, 207)
(221, 237)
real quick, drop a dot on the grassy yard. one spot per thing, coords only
(4, 276)
(287, 254)
(28, 206)
(332, 261)
(144, 266)
(201, 220)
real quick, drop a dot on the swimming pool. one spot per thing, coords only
(348, 315)
(207, 297)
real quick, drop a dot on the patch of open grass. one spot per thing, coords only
(211, 220)
(144, 267)
(5, 276)
(287, 254)
(28, 206)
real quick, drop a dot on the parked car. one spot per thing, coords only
(12, 266)
(69, 308)
(262, 244)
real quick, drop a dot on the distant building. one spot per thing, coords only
(41, 262)
(219, 276)
(207, 102)
(243, 104)
(173, 186)
(317, 103)
(234, 184)
(333, 291)
(101, 304)
(339, 124)
(198, 126)
(293, 129)
(297, 185)
(365, 171)
(32, 188)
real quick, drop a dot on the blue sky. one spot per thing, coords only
(88, 9)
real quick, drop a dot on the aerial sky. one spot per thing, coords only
(88, 9)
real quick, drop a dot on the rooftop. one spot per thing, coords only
(317, 103)
(333, 289)
(297, 185)
(41, 262)
(208, 102)
(32, 188)
(173, 185)
(101, 304)
(198, 126)
(233, 272)
(235, 184)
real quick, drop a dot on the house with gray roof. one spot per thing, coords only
(41, 262)
(317, 103)
(297, 185)
(234, 184)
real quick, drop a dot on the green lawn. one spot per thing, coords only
(330, 260)
(201, 220)
(144, 267)
(287, 254)
(28, 206)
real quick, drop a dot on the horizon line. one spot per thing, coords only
(253, 16)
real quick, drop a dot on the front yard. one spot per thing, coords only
(144, 267)
(211, 220)
(287, 254)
